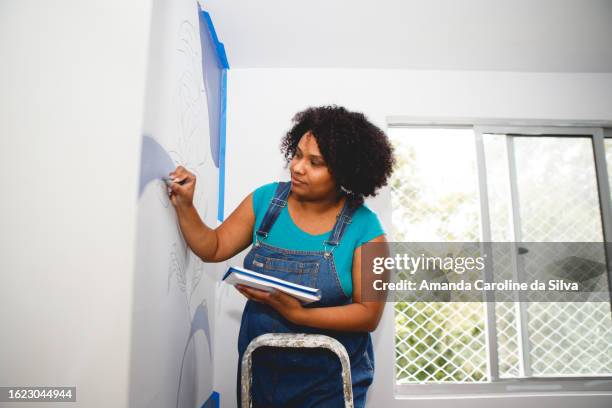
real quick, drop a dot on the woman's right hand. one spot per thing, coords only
(182, 188)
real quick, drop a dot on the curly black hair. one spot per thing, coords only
(358, 153)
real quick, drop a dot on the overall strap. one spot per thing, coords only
(276, 205)
(342, 221)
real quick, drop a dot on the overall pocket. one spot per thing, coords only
(301, 273)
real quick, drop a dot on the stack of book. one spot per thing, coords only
(236, 275)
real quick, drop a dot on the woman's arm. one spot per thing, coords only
(211, 245)
(359, 316)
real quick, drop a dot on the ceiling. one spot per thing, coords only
(498, 35)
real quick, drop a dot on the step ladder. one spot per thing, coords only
(295, 341)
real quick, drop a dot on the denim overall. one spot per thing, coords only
(285, 377)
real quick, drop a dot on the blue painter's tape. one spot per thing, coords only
(222, 128)
(214, 401)
(218, 45)
(215, 66)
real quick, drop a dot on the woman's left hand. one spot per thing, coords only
(288, 306)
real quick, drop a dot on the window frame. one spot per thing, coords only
(527, 385)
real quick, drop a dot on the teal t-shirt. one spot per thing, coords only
(364, 227)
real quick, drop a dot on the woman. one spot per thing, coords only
(310, 232)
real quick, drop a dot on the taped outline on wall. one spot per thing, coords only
(224, 67)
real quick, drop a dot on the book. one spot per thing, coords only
(236, 275)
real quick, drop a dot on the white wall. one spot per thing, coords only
(72, 83)
(522, 35)
(261, 103)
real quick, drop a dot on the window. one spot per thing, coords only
(502, 184)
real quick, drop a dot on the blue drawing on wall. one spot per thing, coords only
(155, 163)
